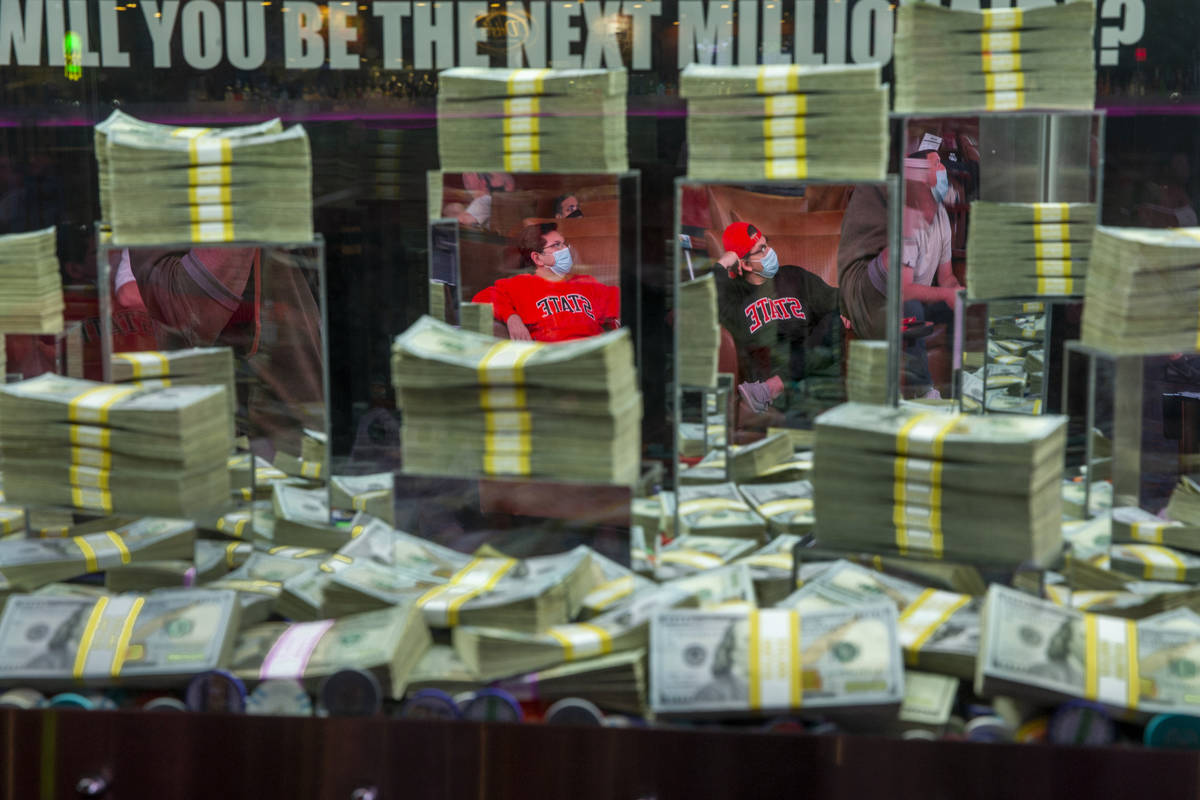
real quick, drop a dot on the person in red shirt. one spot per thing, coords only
(550, 304)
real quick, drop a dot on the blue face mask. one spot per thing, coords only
(942, 187)
(562, 262)
(770, 263)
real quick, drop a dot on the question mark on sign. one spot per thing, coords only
(1127, 23)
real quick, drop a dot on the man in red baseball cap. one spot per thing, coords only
(783, 318)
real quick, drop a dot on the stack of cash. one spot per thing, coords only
(158, 640)
(310, 463)
(119, 121)
(786, 506)
(80, 444)
(1024, 249)
(30, 563)
(1184, 504)
(699, 332)
(163, 184)
(387, 643)
(1035, 649)
(690, 554)
(1143, 292)
(532, 120)
(477, 317)
(32, 300)
(744, 662)
(1131, 524)
(981, 489)
(786, 122)
(718, 510)
(866, 374)
(475, 405)
(371, 494)
(938, 630)
(999, 59)
(499, 651)
(195, 366)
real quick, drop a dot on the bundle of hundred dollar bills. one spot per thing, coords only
(161, 184)
(981, 489)
(786, 122)
(999, 59)
(1143, 291)
(104, 447)
(1025, 249)
(32, 299)
(475, 405)
(532, 120)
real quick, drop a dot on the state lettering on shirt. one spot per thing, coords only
(565, 303)
(769, 309)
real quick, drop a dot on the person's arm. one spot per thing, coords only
(504, 310)
(926, 294)
(194, 292)
(945, 270)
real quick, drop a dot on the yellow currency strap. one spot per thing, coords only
(88, 476)
(785, 168)
(1051, 212)
(88, 457)
(522, 162)
(568, 646)
(1195, 234)
(527, 81)
(189, 133)
(1151, 532)
(1000, 61)
(90, 436)
(119, 543)
(777, 79)
(785, 147)
(1146, 552)
(457, 603)
(356, 531)
(238, 527)
(610, 592)
(310, 469)
(712, 504)
(787, 105)
(784, 505)
(87, 497)
(89, 633)
(500, 456)
(899, 489)
(521, 106)
(359, 501)
(523, 126)
(212, 219)
(139, 361)
(90, 561)
(1002, 19)
(784, 127)
(230, 552)
(126, 634)
(1005, 82)
(775, 560)
(1005, 100)
(791, 659)
(80, 410)
(692, 558)
(910, 655)
(522, 145)
(1093, 662)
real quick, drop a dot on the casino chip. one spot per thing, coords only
(281, 696)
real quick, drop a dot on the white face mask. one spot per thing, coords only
(770, 263)
(562, 262)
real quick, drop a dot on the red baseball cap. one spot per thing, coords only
(741, 238)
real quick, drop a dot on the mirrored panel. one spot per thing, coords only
(246, 316)
(1019, 196)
